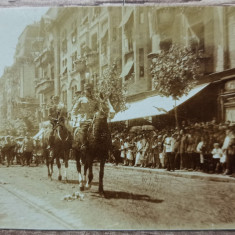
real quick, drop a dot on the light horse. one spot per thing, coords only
(59, 146)
(98, 146)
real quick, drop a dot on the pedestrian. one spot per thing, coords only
(182, 149)
(225, 149)
(28, 149)
(139, 150)
(168, 143)
(116, 145)
(217, 155)
(201, 148)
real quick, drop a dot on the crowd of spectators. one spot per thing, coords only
(22, 150)
(207, 147)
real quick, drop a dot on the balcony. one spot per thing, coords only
(44, 85)
(44, 58)
(92, 58)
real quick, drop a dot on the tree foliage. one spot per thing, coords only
(111, 86)
(176, 72)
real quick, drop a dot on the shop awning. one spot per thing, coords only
(126, 17)
(127, 68)
(153, 106)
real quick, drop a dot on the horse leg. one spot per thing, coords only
(85, 174)
(66, 161)
(56, 155)
(90, 176)
(59, 168)
(101, 176)
(79, 169)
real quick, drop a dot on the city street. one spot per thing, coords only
(134, 199)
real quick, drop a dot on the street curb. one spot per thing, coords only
(184, 174)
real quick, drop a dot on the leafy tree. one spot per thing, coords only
(111, 86)
(176, 71)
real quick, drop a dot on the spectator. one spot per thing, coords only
(217, 154)
(28, 149)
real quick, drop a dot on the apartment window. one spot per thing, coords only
(196, 37)
(52, 72)
(64, 97)
(36, 72)
(73, 58)
(94, 44)
(64, 46)
(74, 89)
(114, 34)
(74, 36)
(141, 16)
(141, 62)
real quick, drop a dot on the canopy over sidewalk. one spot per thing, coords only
(153, 106)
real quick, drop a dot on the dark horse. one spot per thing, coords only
(60, 144)
(98, 146)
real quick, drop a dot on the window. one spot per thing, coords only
(94, 44)
(74, 36)
(74, 89)
(83, 48)
(64, 46)
(64, 97)
(141, 62)
(141, 16)
(114, 34)
(36, 72)
(73, 57)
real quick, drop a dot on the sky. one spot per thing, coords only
(12, 23)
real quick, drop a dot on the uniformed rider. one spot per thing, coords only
(84, 109)
(57, 113)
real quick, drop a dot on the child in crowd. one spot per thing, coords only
(217, 155)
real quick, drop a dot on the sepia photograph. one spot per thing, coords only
(117, 116)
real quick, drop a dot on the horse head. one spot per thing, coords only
(105, 107)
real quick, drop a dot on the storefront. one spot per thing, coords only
(228, 100)
(225, 82)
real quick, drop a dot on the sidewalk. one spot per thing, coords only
(179, 173)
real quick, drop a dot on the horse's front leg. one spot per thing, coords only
(58, 165)
(77, 155)
(101, 176)
(66, 164)
(89, 163)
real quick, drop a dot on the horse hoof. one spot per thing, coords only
(81, 188)
(88, 186)
(59, 177)
(101, 193)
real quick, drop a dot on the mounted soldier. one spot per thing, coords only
(57, 113)
(84, 110)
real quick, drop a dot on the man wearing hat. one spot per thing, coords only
(57, 112)
(84, 109)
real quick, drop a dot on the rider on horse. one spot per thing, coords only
(84, 109)
(57, 112)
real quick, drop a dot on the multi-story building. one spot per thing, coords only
(73, 46)
(44, 65)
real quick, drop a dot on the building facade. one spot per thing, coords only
(73, 46)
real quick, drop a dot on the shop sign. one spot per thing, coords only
(230, 85)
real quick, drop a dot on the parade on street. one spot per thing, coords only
(117, 118)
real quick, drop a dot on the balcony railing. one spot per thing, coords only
(44, 85)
